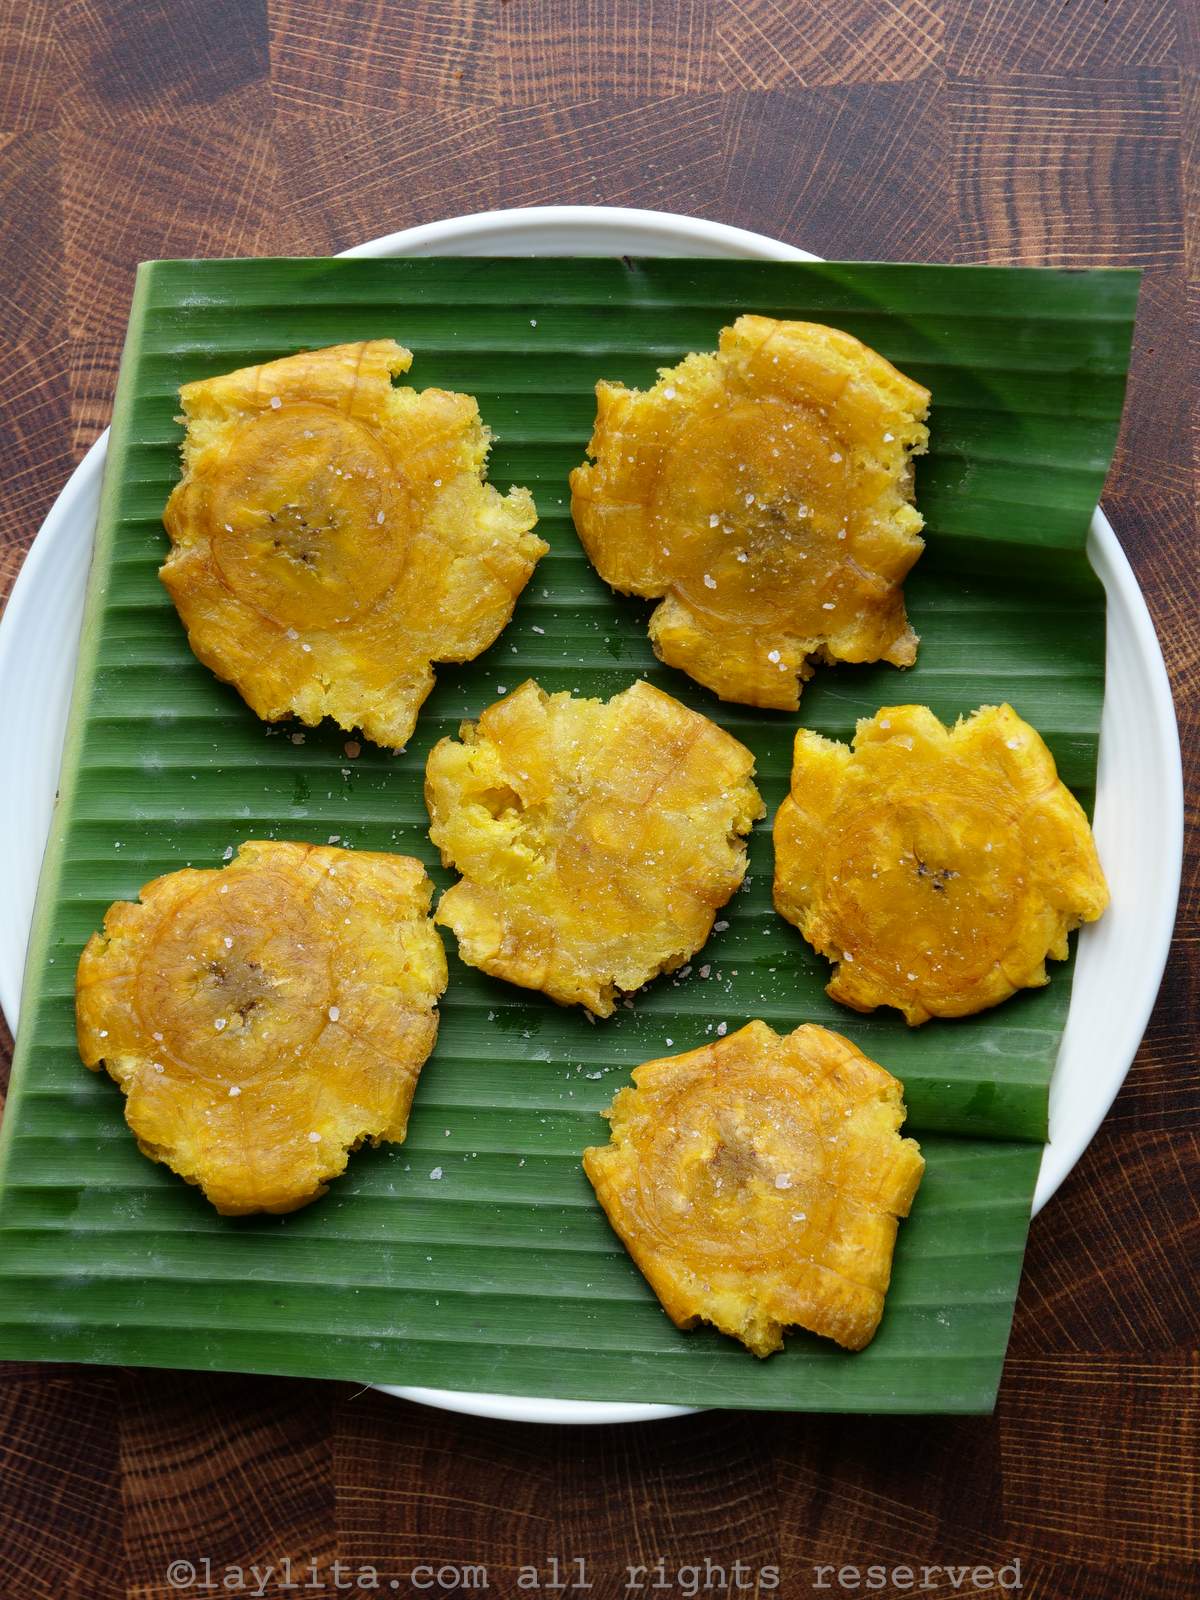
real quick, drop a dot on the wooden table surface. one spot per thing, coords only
(959, 130)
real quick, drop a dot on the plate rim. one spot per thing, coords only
(677, 232)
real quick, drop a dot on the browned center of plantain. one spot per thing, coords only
(933, 884)
(240, 966)
(732, 1164)
(239, 987)
(733, 1175)
(766, 551)
(301, 510)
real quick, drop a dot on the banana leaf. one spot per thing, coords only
(502, 1273)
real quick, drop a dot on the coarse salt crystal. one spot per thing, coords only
(720, 926)
(234, 1091)
(334, 1013)
(827, 605)
(435, 1173)
(227, 853)
(783, 1180)
(227, 942)
(669, 393)
(276, 402)
(836, 457)
(709, 581)
(219, 1024)
(314, 1138)
(772, 655)
(379, 516)
(722, 1028)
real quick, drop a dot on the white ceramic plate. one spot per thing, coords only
(1139, 800)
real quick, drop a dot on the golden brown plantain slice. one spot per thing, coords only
(938, 867)
(595, 839)
(757, 1184)
(765, 492)
(265, 1019)
(332, 536)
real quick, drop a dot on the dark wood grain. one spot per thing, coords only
(62, 1519)
(962, 130)
(1082, 36)
(373, 57)
(766, 45)
(1067, 171)
(128, 62)
(551, 51)
(213, 1464)
(860, 171)
(339, 173)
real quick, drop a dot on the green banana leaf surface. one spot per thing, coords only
(502, 1274)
